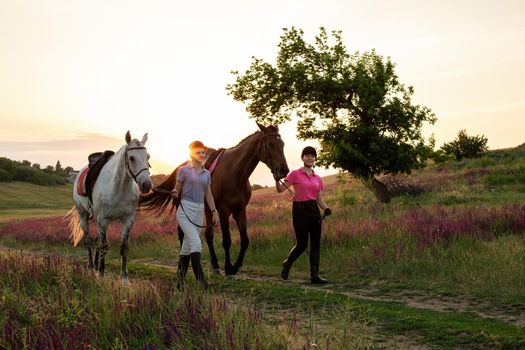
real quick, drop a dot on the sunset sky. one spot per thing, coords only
(76, 75)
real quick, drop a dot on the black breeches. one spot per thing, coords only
(307, 225)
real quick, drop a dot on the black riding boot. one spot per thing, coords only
(315, 255)
(197, 269)
(286, 269)
(184, 264)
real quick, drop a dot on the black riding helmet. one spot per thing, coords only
(309, 150)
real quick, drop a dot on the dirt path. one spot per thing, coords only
(511, 314)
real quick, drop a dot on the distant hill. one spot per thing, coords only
(23, 195)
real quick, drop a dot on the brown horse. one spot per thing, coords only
(231, 188)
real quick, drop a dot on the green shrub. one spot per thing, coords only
(465, 146)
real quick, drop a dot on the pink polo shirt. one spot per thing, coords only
(305, 186)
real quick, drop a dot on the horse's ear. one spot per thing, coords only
(261, 127)
(128, 137)
(144, 139)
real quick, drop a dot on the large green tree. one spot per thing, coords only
(352, 103)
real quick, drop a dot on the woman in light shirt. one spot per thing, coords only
(307, 221)
(193, 185)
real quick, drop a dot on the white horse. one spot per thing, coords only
(115, 197)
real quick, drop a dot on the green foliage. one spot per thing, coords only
(439, 156)
(465, 146)
(11, 170)
(353, 104)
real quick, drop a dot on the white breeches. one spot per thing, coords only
(191, 243)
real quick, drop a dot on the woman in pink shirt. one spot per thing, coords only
(307, 221)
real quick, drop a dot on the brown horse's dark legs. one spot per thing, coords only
(240, 219)
(208, 233)
(180, 233)
(226, 244)
(209, 240)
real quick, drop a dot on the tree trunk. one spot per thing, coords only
(379, 189)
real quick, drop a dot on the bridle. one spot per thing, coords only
(134, 176)
(268, 159)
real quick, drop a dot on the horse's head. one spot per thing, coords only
(137, 162)
(271, 151)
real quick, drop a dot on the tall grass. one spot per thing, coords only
(52, 303)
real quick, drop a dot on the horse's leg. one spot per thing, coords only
(209, 240)
(124, 248)
(102, 246)
(226, 243)
(84, 224)
(240, 219)
(180, 234)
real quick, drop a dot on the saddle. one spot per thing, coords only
(88, 177)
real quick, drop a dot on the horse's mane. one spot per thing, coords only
(273, 129)
(244, 139)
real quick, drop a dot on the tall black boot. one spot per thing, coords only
(315, 255)
(197, 269)
(184, 264)
(292, 256)
(286, 269)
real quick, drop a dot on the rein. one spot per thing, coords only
(268, 159)
(161, 190)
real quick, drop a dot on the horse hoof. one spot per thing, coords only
(125, 281)
(217, 271)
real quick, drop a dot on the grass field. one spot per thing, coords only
(22, 200)
(442, 270)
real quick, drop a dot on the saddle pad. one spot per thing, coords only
(81, 184)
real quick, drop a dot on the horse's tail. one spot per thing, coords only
(160, 198)
(74, 226)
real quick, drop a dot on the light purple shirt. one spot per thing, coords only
(194, 182)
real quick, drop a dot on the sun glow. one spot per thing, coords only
(104, 67)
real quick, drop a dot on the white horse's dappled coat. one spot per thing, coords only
(115, 197)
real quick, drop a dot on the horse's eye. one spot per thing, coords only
(131, 158)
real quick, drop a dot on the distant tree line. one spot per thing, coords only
(12, 170)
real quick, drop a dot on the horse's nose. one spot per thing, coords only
(146, 186)
(283, 171)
